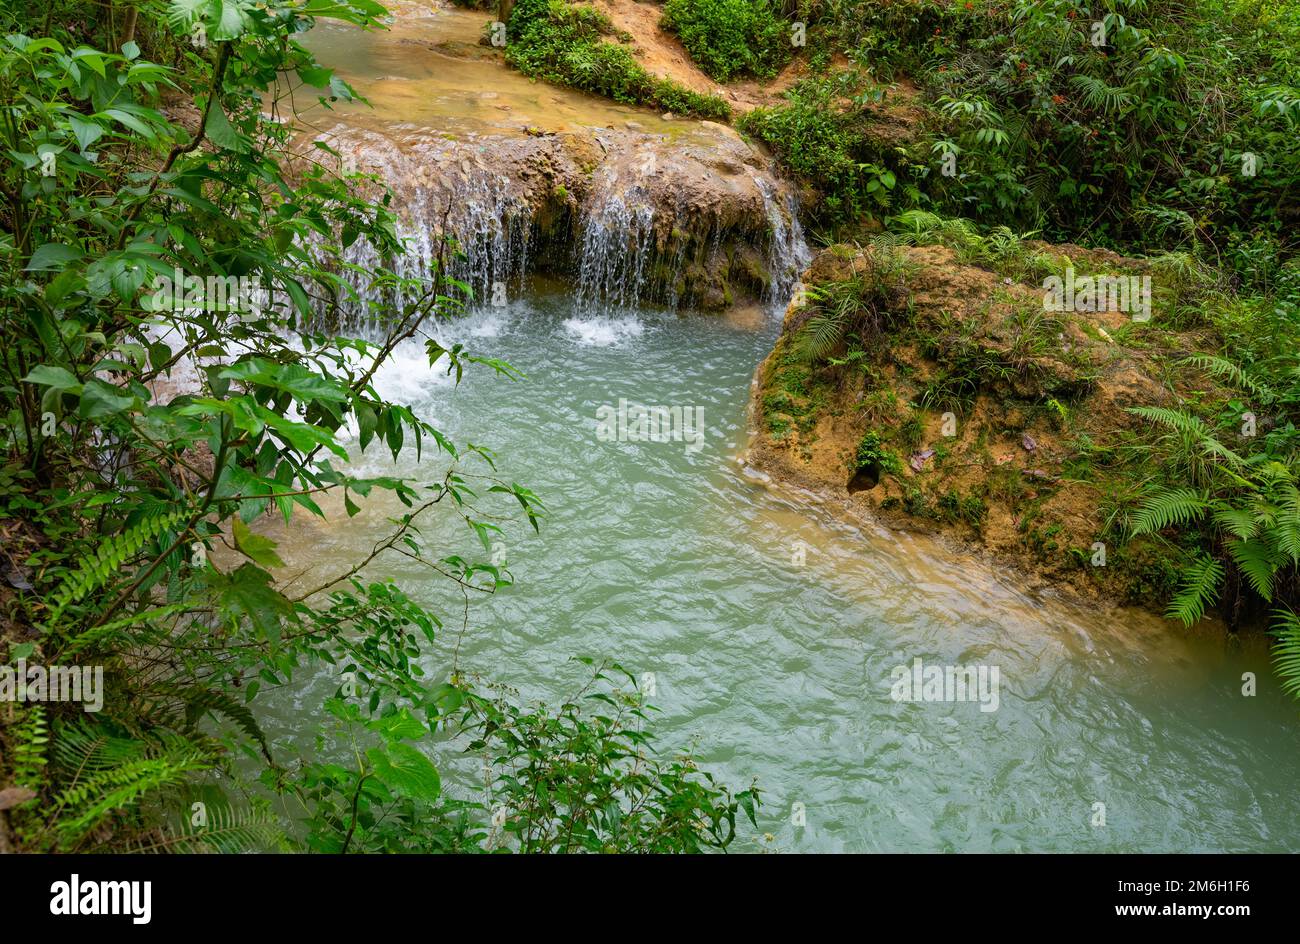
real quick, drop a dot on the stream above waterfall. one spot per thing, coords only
(429, 69)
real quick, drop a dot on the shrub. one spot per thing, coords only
(873, 455)
(1179, 127)
(729, 38)
(821, 134)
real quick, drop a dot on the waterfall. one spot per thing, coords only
(618, 245)
(621, 264)
(650, 229)
(788, 253)
(490, 226)
(439, 181)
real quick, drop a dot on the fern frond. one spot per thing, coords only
(1166, 219)
(1238, 522)
(199, 701)
(226, 830)
(1168, 507)
(120, 788)
(95, 570)
(1286, 534)
(104, 770)
(81, 747)
(99, 635)
(921, 226)
(1098, 95)
(1173, 419)
(1194, 429)
(1211, 446)
(1226, 370)
(30, 739)
(1286, 651)
(1259, 561)
(1181, 268)
(1198, 589)
(820, 335)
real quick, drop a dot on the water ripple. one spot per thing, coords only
(677, 564)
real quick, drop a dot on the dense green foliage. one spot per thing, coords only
(1181, 124)
(1138, 123)
(134, 502)
(820, 136)
(575, 44)
(730, 38)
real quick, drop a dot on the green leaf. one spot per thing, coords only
(255, 546)
(299, 295)
(304, 385)
(100, 399)
(52, 256)
(316, 76)
(86, 132)
(404, 770)
(399, 726)
(21, 650)
(63, 285)
(220, 132)
(56, 377)
(124, 117)
(232, 21)
(249, 593)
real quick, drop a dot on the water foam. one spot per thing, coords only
(604, 330)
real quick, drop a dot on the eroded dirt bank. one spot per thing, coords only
(953, 402)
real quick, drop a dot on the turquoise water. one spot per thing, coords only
(684, 564)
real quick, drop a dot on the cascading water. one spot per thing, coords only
(652, 229)
(618, 244)
(788, 253)
(622, 266)
(443, 190)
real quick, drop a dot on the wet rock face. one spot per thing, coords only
(633, 218)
